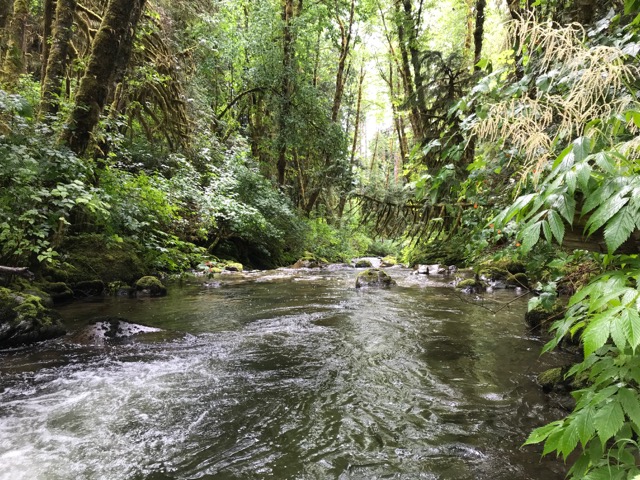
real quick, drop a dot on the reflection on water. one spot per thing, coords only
(282, 376)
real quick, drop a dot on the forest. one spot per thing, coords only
(152, 137)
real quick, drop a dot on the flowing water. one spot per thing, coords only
(283, 375)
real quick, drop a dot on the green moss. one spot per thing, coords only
(24, 319)
(363, 264)
(374, 277)
(390, 260)
(471, 285)
(150, 286)
(95, 257)
(550, 378)
(518, 280)
(233, 267)
(540, 317)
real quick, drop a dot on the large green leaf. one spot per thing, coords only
(608, 420)
(630, 402)
(584, 424)
(619, 229)
(556, 225)
(631, 326)
(530, 236)
(596, 334)
(607, 210)
(581, 148)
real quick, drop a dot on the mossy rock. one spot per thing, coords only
(471, 285)
(89, 288)
(120, 289)
(363, 264)
(233, 267)
(555, 380)
(540, 316)
(150, 286)
(59, 292)
(23, 319)
(501, 269)
(374, 277)
(519, 280)
(95, 257)
(389, 261)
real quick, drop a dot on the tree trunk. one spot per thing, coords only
(407, 76)
(414, 51)
(49, 13)
(586, 11)
(354, 144)
(106, 54)
(478, 32)
(58, 56)
(14, 60)
(286, 88)
(341, 80)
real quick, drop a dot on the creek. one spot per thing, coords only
(284, 375)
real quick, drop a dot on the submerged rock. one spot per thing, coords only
(150, 286)
(107, 329)
(374, 277)
(23, 319)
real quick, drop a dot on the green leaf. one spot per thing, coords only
(631, 325)
(547, 231)
(583, 171)
(608, 420)
(606, 162)
(584, 425)
(530, 236)
(556, 225)
(581, 148)
(607, 210)
(569, 440)
(619, 229)
(566, 205)
(596, 334)
(630, 402)
(540, 434)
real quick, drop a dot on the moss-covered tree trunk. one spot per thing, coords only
(478, 33)
(13, 64)
(110, 44)
(288, 13)
(58, 58)
(47, 26)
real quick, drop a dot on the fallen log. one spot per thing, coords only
(20, 271)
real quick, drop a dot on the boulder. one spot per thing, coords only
(151, 287)
(472, 285)
(59, 292)
(233, 267)
(89, 288)
(374, 277)
(105, 329)
(541, 316)
(423, 270)
(389, 261)
(519, 280)
(23, 319)
(362, 263)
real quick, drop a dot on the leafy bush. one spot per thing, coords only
(41, 188)
(247, 209)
